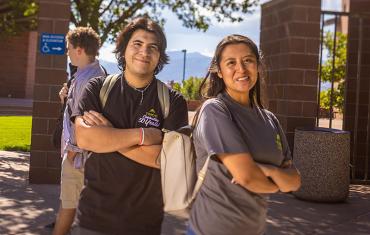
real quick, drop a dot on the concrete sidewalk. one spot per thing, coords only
(25, 208)
(13, 106)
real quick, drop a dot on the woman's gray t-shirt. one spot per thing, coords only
(223, 208)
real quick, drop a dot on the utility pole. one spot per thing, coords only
(183, 71)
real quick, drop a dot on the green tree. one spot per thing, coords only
(17, 16)
(338, 99)
(176, 86)
(107, 17)
(190, 88)
(339, 71)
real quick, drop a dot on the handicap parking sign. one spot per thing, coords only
(52, 44)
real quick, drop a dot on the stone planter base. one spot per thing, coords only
(193, 104)
(322, 156)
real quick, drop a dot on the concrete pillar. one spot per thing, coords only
(50, 74)
(290, 40)
(31, 65)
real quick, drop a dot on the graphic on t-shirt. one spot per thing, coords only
(278, 142)
(150, 118)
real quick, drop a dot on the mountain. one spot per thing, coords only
(110, 66)
(196, 66)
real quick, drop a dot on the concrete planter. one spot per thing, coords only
(322, 156)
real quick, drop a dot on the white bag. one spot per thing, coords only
(179, 179)
(178, 174)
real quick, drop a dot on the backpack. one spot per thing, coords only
(58, 130)
(180, 182)
(177, 157)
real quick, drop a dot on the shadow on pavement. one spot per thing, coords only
(24, 208)
(288, 215)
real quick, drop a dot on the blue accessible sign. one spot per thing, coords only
(52, 44)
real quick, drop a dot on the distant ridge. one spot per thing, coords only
(196, 66)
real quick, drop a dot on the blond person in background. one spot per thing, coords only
(82, 49)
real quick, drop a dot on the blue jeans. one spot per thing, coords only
(190, 231)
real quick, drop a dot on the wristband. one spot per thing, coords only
(142, 136)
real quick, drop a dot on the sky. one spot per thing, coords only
(179, 37)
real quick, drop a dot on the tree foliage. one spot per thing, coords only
(17, 16)
(107, 17)
(338, 98)
(339, 72)
(190, 88)
(176, 86)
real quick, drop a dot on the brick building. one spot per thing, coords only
(290, 40)
(17, 67)
(50, 73)
(357, 121)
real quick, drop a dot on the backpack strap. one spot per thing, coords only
(203, 171)
(108, 84)
(105, 71)
(164, 97)
(198, 112)
(163, 93)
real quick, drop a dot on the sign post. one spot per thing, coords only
(52, 44)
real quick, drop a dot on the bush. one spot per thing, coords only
(190, 88)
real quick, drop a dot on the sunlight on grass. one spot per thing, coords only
(15, 133)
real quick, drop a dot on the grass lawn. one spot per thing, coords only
(15, 133)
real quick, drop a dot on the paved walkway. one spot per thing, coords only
(15, 102)
(13, 106)
(25, 208)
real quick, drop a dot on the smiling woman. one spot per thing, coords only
(247, 153)
(15, 133)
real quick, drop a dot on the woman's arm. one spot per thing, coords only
(287, 177)
(246, 173)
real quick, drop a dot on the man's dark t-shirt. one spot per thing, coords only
(122, 196)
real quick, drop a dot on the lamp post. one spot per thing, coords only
(183, 71)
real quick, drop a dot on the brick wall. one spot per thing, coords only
(50, 74)
(358, 154)
(290, 39)
(13, 66)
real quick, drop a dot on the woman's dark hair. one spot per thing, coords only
(212, 84)
(124, 37)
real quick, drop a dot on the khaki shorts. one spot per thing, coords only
(71, 184)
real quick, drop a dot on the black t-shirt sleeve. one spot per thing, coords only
(178, 114)
(89, 98)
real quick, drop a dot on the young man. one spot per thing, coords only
(83, 45)
(122, 192)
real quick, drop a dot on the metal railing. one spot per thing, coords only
(336, 16)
